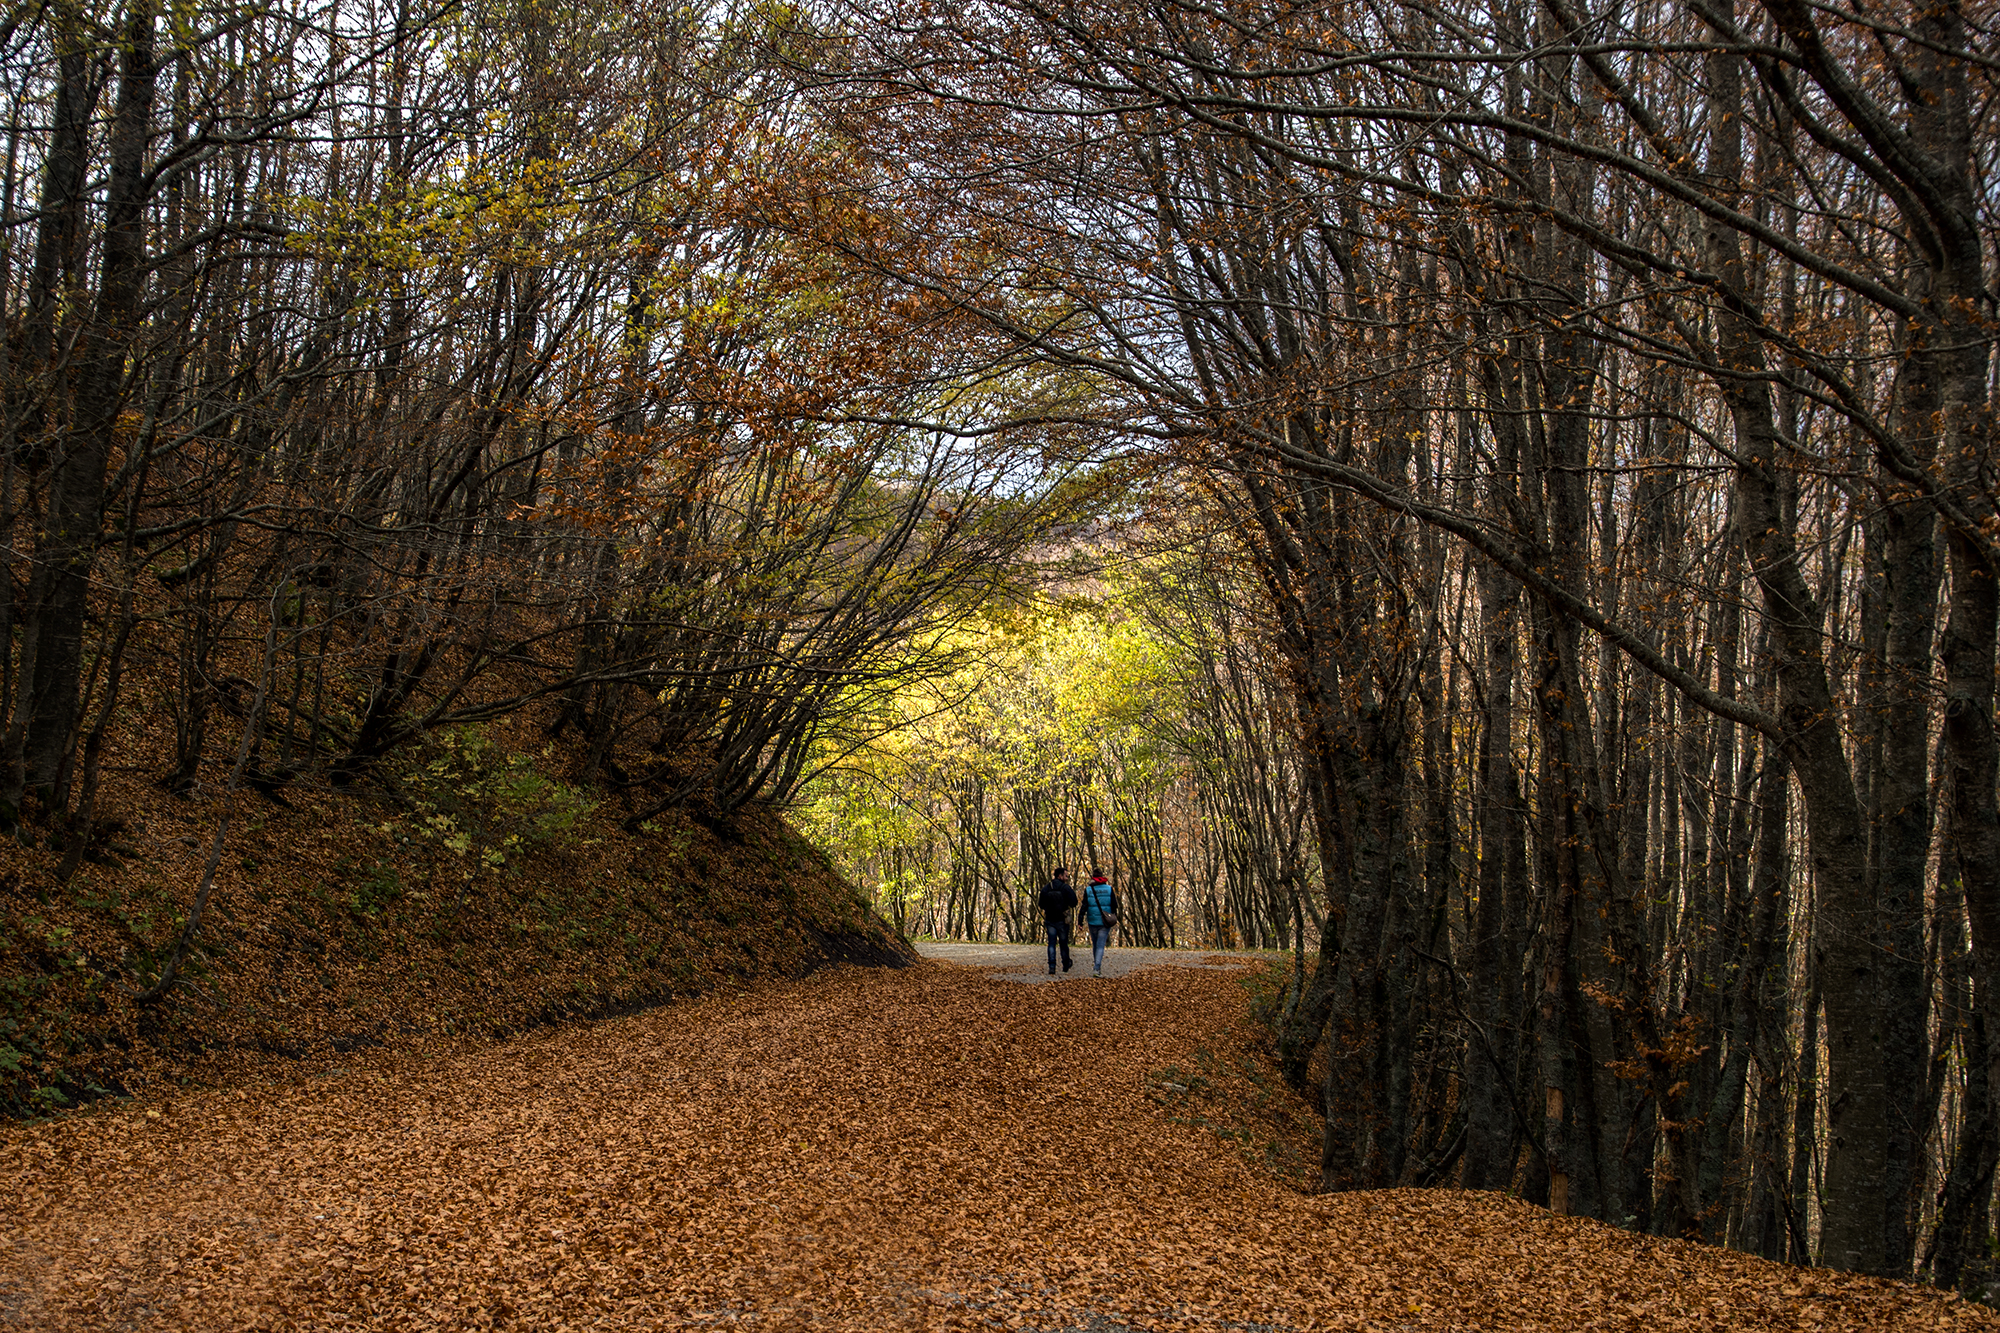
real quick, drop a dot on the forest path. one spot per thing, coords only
(859, 1150)
(1030, 962)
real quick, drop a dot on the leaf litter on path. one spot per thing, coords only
(857, 1150)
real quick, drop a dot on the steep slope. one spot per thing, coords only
(461, 894)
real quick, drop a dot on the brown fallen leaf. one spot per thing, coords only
(858, 1150)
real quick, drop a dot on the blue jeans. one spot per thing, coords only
(1099, 937)
(1058, 939)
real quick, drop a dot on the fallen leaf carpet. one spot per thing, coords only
(860, 1149)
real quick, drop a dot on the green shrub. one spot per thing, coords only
(485, 806)
(379, 888)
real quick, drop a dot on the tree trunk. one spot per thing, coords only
(1492, 1096)
(1846, 941)
(69, 539)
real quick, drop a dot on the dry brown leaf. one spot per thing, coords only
(858, 1150)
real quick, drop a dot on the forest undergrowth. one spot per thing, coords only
(466, 891)
(862, 1148)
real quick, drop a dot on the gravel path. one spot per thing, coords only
(1030, 962)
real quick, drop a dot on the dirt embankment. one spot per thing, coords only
(467, 893)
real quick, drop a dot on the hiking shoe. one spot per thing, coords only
(1097, 971)
(1052, 969)
(1065, 967)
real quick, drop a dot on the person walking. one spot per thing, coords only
(1100, 913)
(1058, 901)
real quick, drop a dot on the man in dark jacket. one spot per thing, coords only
(1058, 901)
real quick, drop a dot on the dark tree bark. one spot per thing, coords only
(68, 543)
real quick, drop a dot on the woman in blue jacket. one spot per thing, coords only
(1100, 913)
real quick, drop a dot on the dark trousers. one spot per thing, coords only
(1058, 939)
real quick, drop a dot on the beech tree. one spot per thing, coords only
(494, 403)
(1646, 312)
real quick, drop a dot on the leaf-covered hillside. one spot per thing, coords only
(464, 894)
